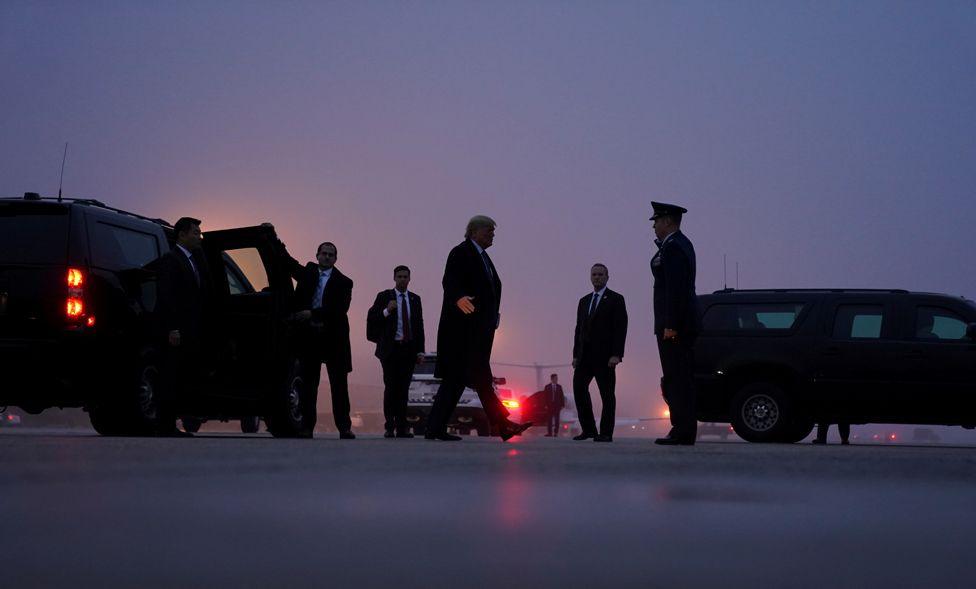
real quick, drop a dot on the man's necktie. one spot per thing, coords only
(593, 304)
(193, 266)
(405, 317)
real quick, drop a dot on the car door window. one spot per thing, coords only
(245, 271)
(936, 323)
(858, 322)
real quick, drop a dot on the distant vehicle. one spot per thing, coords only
(249, 425)
(8, 419)
(77, 303)
(719, 430)
(774, 362)
(469, 416)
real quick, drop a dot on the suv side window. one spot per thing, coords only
(751, 316)
(858, 322)
(245, 271)
(936, 323)
(120, 248)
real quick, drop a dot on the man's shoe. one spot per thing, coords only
(347, 435)
(305, 434)
(548, 436)
(514, 429)
(584, 436)
(444, 437)
(845, 443)
(603, 439)
(819, 442)
(404, 434)
(389, 434)
(669, 441)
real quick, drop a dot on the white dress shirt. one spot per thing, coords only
(600, 293)
(400, 317)
(324, 276)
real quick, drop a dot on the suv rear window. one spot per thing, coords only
(33, 234)
(751, 316)
(121, 248)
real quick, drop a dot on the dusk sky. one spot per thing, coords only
(819, 144)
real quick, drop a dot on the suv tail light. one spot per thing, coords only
(74, 307)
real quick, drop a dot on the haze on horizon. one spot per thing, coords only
(817, 144)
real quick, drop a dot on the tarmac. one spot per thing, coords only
(224, 510)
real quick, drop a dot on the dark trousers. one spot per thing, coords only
(678, 386)
(552, 424)
(447, 399)
(606, 381)
(843, 428)
(339, 386)
(397, 372)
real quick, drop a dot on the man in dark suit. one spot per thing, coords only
(183, 302)
(598, 346)
(320, 306)
(555, 401)
(395, 323)
(676, 320)
(469, 318)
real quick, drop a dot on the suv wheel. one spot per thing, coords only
(250, 425)
(134, 408)
(191, 425)
(761, 413)
(284, 419)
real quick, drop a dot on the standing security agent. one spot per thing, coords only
(396, 323)
(555, 401)
(601, 331)
(676, 321)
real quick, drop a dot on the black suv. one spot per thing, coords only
(774, 362)
(77, 295)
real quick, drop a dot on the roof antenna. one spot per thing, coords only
(736, 276)
(63, 158)
(725, 273)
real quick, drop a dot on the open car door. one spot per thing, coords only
(251, 295)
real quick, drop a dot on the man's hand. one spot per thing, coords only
(614, 360)
(670, 335)
(466, 304)
(420, 357)
(302, 315)
(174, 338)
(391, 307)
(575, 361)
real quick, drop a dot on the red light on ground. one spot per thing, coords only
(892, 437)
(90, 322)
(75, 278)
(510, 404)
(75, 307)
(513, 452)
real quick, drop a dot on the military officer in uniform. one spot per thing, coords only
(676, 320)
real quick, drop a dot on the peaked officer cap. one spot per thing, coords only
(662, 209)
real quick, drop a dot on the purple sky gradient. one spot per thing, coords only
(818, 144)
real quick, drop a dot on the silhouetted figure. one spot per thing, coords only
(555, 401)
(395, 323)
(469, 318)
(598, 346)
(843, 428)
(321, 304)
(676, 320)
(183, 303)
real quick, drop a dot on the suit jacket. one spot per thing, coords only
(602, 334)
(384, 328)
(464, 341)
(555, 396)
(327, 334)
(675, 301)
(182, 302)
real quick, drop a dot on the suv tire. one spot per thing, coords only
(761, 412)
(250, 425)
(133, 407)
(284, 418)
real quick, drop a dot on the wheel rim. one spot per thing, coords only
(295, 400)
(760, 412)
(147, 392)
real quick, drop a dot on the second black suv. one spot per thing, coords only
(774, 362)
(77, 300)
